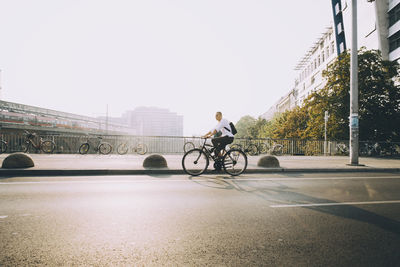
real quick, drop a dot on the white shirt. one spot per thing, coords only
(221, 127)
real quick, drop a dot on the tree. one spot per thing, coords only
(334, 97)
(290, 124)
(243, 126)
(256, 130)
(379, 103)
(379, 99)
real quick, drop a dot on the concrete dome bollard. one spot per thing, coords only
(17, 160)
(268, 162)
(155, 161)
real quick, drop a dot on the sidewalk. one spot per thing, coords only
(72, 164)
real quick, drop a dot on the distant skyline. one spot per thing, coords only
(191, 57)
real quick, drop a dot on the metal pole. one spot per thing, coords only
(354, 129)
(1, 91)
(107, 120)
(326, 139)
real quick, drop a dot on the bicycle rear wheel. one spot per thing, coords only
(195, 162)
(141, 149)
(235, 162)
(252, 149)
(105, 148)
(3, 146)
(84, 148)
(48, 146)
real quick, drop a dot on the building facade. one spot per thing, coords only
(378, 28)
(152, 121)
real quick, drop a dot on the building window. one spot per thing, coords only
(332, 47)
(337, 8)
(394, 41)
(339, 28)
(394, 15)
(341, 47)
(323, 56)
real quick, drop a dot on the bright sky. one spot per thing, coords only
(194, 57)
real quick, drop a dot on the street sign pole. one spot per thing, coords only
(354, 127)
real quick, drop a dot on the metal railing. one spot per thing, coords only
(69, 144)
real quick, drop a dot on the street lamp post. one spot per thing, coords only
(354, 128)
(325, 134)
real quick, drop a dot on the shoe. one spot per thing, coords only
(216, 171)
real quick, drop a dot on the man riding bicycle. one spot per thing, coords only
(226, 136)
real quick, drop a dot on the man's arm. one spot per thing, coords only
(209, 134)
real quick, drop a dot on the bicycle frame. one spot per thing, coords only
(31, 142)
(204, 153)
(208, 152)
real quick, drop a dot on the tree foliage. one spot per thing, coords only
(379, 104)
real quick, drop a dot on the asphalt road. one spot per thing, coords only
(292, 219)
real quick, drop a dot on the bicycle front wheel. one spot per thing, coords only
(195, 162)
(25, 147)
(105, 148)
(84, 148)
(3, 147)
(48, 146)
(141, 149)
(235, 162)
(188, 146)
(278, 149)
(122, 149)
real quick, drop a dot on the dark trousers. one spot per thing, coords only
(220, 143)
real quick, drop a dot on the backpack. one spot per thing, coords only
(233, 128)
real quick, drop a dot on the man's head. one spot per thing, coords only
(218, 116)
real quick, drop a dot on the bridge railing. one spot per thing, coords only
(69, 144)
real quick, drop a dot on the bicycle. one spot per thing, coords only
(47, 146)
(342, 148)
(369, 150)
(3, 145)
(101, 147)
(188, 145)
(140, 148)
(276, 149)
(195, 162)
(248, 147)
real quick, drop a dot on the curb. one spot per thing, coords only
(166, 171)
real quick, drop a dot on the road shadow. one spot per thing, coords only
(280, 193)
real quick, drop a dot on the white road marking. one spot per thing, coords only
(200, 178)
(336, 204)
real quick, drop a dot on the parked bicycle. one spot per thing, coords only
(140, 148)
(188, 145)
(275, 149)
(247, 147)
(342, 148)
(368, 149)
(191, 144)
(3, 145)
(47, 146)
(195, 161)
(101, 147)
